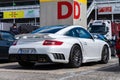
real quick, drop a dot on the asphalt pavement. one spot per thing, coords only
(88, 71)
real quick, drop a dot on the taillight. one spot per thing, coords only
(52, 42)
(14, 43)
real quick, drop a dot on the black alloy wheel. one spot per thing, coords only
(75, 59)
(105, 55)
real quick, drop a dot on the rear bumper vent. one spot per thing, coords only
(59, 56)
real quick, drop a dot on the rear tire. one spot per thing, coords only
(75, 59)
(119, 61)
(26, 64)
(113, 52)
(105, 55)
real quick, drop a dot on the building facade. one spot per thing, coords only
(20, 11)
(104, 9)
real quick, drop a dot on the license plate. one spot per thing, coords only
(27, 51)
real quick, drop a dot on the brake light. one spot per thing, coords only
(14, 43)
(52, 42)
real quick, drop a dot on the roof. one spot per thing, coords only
(3, 1)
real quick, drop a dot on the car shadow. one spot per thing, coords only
(40, 66)
(111, 68)
(45, 66)
(2, 61)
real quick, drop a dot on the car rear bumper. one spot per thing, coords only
(40, 58)
(29, 57)
(55, 54)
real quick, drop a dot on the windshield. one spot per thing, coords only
(97, 29)
(48, 29)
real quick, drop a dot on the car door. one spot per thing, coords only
(6, 40)
(90, 45)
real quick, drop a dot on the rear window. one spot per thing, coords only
(48, 29)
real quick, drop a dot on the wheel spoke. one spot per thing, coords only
(76, 57)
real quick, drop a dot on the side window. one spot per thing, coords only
(83, 33)
(7, 36)
(72, 33)
(78, 32)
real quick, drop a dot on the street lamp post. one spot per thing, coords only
(95, 10)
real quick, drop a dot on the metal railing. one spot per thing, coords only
(90, 9)
(97, 2)
(19, 8)
(94, 5)
(106, 1)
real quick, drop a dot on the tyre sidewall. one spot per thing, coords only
(72, 62)
(105, 55)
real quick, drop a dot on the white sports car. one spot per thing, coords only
(71, 45)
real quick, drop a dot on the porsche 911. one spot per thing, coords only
(72, 45)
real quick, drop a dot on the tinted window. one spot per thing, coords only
(7, 36)
(83, 33)
(72, 33)
(78, 32)
(97, 28)
(49, 29)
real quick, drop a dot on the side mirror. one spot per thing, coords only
(96, 37)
